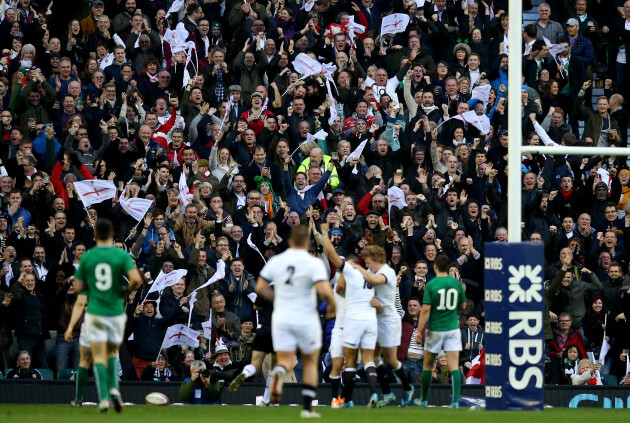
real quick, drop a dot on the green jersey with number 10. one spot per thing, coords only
(102, 269)
(445, 294)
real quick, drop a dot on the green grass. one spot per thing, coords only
(30, 413)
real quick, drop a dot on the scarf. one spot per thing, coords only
(565, 195)
(625, 191)
(429, 109)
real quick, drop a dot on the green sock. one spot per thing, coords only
(456, 382)
(81, 379)
(100, 372)
(427, 375)
(112, 373)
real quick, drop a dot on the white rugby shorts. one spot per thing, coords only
(304, 334)
(435, 341)
(360, 334)
(108, 329)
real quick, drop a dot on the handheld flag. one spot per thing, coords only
(95, 191)
(394, 23)
(180, 335)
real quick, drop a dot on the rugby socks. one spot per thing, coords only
(100, 373)
(249, 371)
(280, 369)
(112, 373)
(81, 379)
(382, 379)
(427, 376)
(456, 382)
(266, 397)
(400, 372)
(308, 394)
(348, 383)
(335, 381)
(370, 370)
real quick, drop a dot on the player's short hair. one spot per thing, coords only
(103, 230)
(374, 252)
(300, 236)
(442, 263)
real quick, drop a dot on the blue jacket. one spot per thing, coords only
(39, 146)
(583, 48)
(297, 203)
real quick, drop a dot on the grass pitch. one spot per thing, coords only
(31, 413)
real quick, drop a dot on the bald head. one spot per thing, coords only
(317, 154)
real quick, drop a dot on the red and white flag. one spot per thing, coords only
(218, 275)
(167, 279)
(136, 207)
(482, 93)
(395, 197)
(95, 191)
(394, 23)
(180, 335)
(480, 122)
(184, 192)
(477, 373)
(207, 327)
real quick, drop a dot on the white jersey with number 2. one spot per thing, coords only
(294, 274)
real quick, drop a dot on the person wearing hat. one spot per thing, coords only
(256, 112)
(88, 25)
(581, 46)
(461, 52)
(148, 333)
(159, 371)
(234, 92)
(224, 368)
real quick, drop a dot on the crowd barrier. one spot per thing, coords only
(61, 392)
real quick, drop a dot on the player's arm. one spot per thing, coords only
(341, 284)
(371, 278)
(325, 292)
(77, 312)
(422, 321)
(264, 289)
(135, 280)
(329, 249)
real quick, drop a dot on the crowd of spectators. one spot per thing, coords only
(95, 89)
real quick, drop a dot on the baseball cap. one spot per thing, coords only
(98, 3)
(338, 191)
(572, 22)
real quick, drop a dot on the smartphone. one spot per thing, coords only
(334, 155)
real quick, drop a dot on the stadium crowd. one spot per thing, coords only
(209, 94)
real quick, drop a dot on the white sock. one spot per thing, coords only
(249, 370)
(266, 398)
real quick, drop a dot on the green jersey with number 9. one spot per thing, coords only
(445, 294)
(102, 269)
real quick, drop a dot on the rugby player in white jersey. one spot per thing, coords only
(297, 278)
(360, 324)
(383, 278)
(336, 346)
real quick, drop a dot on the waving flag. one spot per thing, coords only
(480, 122)
(306, 65)
(207, 327)
(95, 191)
(320, 135)
(184, 192)
(253, 247)
(477, 373)
(167, 279)
(395, 197)
(356, 154)
(136, 207)
(192, 299)
(554, 49)
(180, 335)
(482, 93)
(177, 4)
(218, 275)
(394, 23)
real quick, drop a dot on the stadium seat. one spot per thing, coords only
(609, 380)
(66, 374)
(47, 374)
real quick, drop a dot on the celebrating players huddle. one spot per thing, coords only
(363, 302)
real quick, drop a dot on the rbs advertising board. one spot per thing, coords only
(514, 305)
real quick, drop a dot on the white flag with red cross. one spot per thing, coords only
(95, 191)
(180, 335)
